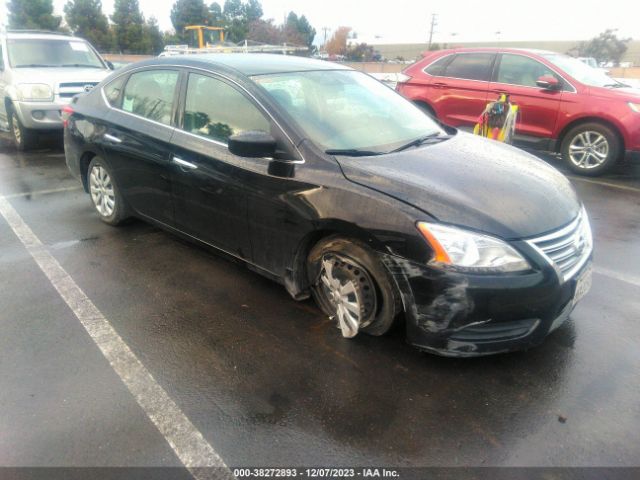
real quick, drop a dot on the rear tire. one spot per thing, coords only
(591, 149)
(23, 138)
(349, 283)
(104, 193)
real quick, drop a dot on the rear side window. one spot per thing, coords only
(150, 94)
(437, 68)
(520, 70)
(216, 110)
(471, 66)
(113, 91)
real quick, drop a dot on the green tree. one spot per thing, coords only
(606, 47)
(86, 20)
(298, 30)
(238, 16)
(33, 14)
(215, 15)
(189, 12)
(153, 40)
(128, 26)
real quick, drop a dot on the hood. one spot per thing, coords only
(54, 76)
(627, 94)
(472, 182)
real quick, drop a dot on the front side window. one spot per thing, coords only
(216, 110)
(42, 53)
(582, 72)
(150, 94)
(521, 70)
(345, 109)
(470, 66)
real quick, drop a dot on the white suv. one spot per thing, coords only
(39, 74)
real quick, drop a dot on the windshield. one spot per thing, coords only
(347, 110)
(582, 72)
(31, 53)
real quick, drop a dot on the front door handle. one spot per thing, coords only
(111, 138)
(439, 85)
(184, 164)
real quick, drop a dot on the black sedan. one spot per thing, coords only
(327, 181)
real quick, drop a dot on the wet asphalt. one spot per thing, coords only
(269, 381)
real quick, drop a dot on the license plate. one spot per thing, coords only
(583, 284)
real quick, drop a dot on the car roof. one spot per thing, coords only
(41, 35)
(252, 63)
(534, 51)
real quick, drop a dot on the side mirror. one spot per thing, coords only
(253, 144)
(548, 82)
(110, 65)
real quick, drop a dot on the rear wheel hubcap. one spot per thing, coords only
(101, 190)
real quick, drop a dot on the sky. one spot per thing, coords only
(408, 21)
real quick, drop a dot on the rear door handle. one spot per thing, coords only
(111, 138)
(439, 85)
(184, 164)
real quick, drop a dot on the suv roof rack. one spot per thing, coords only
(44, 32)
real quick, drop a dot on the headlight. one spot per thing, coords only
(35, 91)
(634, 106)
(471, 251)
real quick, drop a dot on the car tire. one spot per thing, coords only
(591, 149)
(105, 194)
(350, 284)
(23, 138)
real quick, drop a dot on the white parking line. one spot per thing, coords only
(623, 277)
(606, 184)
(185, 439)
(43, 192)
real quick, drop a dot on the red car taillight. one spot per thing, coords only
(66, 114)
(401, 79)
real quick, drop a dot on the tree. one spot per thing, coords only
(86, 20)
(298, 30)
(606, 47)
(337, 44)
(238, 16)
(215, 15)
(189, 12)
(33, 14)
(153, 41)
(360, 52)
(265, 31)
(128, 26)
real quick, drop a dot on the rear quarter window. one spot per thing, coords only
(113, 91)
(437, 68)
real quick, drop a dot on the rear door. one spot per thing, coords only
(459, 90)
(136, 141)
(516, 75)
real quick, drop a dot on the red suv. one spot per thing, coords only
(565, 105)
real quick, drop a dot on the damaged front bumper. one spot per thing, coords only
(462, 315)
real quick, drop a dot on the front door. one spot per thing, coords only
(209, 181)
(516, 75)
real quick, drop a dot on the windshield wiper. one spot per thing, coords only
(35, 65)
(351, 152)
(80, 65)
(419, 141)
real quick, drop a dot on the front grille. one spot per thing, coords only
(68, 90)
(495, 332)
(567, 248)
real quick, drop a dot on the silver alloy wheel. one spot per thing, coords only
(101, 190)
(588, 150)
(344, 298)
(16, 130)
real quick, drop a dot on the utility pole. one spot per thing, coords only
(325, 30)
(434, 23)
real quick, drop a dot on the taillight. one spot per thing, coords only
(67, 111)
(401, 78)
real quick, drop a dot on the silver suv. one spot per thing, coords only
(39, 74)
